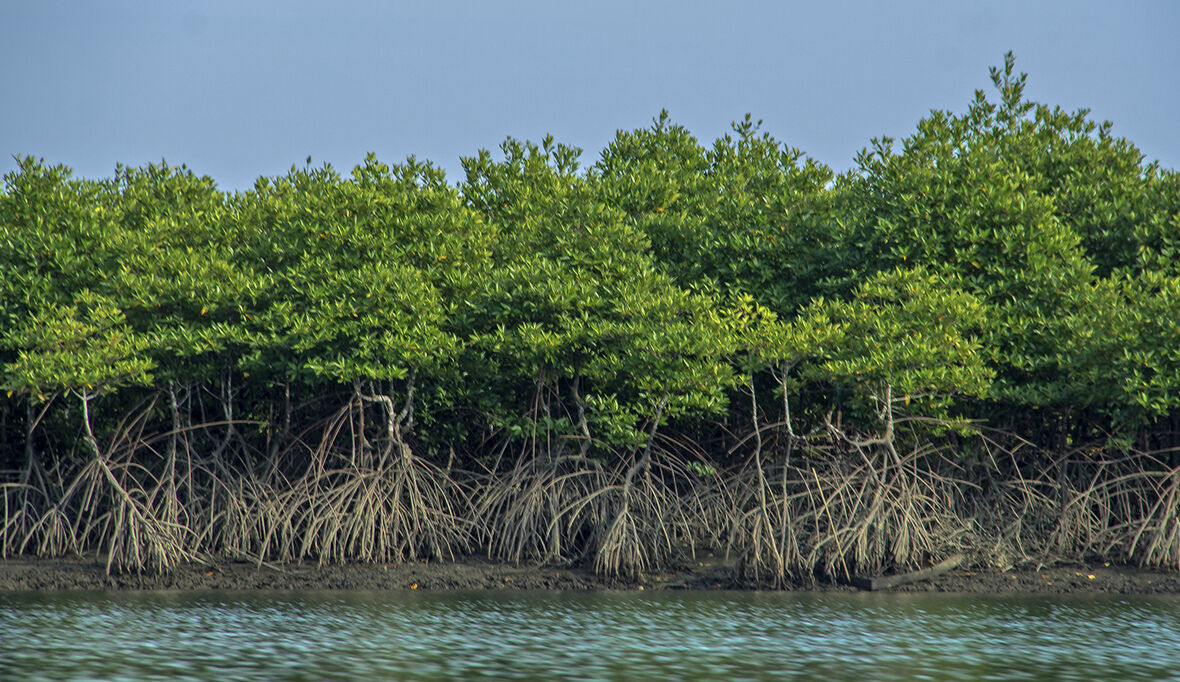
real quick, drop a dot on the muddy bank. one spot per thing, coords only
(475, 573)
(470, 573)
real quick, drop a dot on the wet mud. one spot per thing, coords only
(476, 573)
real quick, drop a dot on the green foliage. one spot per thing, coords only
(64, 324)
(352, 271)
(1029, 207)
(86, 347)
(1124, 340)
(289, 366)
(911, 333)
(176, 278)
(55, 240)
(746, 215)
(1014, 253)
(576, 306)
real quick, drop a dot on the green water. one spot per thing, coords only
(626, 636)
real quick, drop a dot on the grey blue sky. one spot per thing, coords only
(241, 88)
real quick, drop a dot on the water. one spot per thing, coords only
(709, 636)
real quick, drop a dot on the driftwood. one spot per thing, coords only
(886, 582)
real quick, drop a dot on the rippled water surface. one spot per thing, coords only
(713, 636)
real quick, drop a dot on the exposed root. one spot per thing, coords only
(839, 516)
(1126, 507)
(406, 508)
(114, 514)
(31, 523)
(647, 520)
(1156, 541)
(543, 510)
(797, 509)
(768, 528)
(367, 507)
(646, 529)
(889, 512)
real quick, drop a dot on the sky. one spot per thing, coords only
(237, 89)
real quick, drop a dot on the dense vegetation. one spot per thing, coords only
(969, 342)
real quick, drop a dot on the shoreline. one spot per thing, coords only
(24, 574)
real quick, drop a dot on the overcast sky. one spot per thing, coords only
(237, 89)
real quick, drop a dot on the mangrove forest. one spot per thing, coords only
(968, 343)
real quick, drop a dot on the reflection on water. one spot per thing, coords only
(713, 636)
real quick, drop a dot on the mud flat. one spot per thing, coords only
(476, 573)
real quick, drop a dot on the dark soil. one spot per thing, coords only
(475, 573)
(1068, 579)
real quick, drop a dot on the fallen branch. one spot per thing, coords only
(884, 583)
